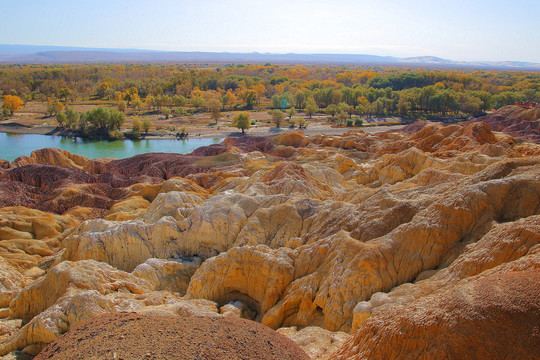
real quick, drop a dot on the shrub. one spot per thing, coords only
(116, 135)
(358, 121)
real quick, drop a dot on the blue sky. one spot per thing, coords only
(457, 30)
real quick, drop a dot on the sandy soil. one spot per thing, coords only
(131, 336)
(31, 120)
(196, 131)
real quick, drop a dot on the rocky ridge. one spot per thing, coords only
(326, 238)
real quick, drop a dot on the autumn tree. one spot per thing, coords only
(166, 111)
(249, 97)
(54, 107)
(131, 94)
(228, 99)
(214, 106)
(242, 121)
(179, 100)
(260, 90)
(146, 125)
(137, 105)
(277, 117)
(311, 107)
(64, 94)
(197, 102)
(122, 106)
(103, 90)
(136, 126)
(12, 103)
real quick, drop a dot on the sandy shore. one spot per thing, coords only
(200, 132)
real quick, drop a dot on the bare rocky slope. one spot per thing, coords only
(515, 120)
(412, 244)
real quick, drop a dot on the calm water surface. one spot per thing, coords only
(12, 146)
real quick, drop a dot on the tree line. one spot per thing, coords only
(180, 89)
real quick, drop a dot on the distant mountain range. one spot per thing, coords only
(30, 54)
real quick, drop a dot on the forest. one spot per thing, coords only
(338, 91)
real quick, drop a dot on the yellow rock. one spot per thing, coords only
(127, 209)
(318, 343)
(71, 277)
(255, 276)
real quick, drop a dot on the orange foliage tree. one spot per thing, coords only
(12, 103)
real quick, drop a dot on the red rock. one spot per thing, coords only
(485, 317)
(134, 336)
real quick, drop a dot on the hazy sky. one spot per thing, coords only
(457, 30)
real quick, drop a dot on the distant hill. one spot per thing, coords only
(29, 54)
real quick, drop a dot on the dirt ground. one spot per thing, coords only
(131, 336)
(32, 120)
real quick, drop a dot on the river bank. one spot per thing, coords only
(203, 132)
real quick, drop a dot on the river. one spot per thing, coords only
(13, 145)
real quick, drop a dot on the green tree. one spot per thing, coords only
(332, 110)
(291, 112)
(311, 107)
(342, 116)
(136, 126)
(179, 100)
(277, 117)
(404, 106)
(122, 106)
(242, 121)
(299, 99)
(101, 121)
(72, 118)
(214, 106)
(197, 102)
(249, 97)
(275, 101)
(55, 107)
(166, 111)
(137, 105)
(65, 93)
(61, 118)
(146, 125)
(471, 104)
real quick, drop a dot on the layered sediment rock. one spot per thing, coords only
(327, 234)
(493, 315)
(516, 121)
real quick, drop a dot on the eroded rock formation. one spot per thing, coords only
(328, 239)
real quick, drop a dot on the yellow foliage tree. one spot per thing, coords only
(12, 103)
(242, 121)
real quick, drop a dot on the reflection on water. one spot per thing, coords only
(14, 145)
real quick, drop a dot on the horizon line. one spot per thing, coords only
(89, 48)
